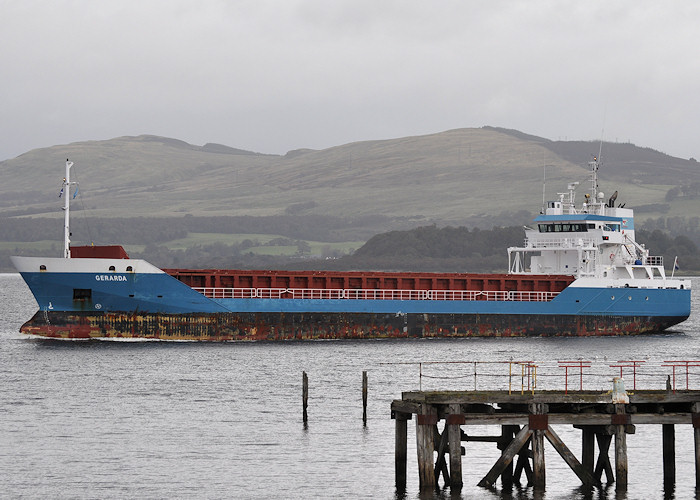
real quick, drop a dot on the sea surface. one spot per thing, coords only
(150, 419)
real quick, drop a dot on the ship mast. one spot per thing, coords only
(66, 210)
(592, 200)
(594, 177)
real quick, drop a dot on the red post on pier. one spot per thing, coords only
(633, 363)
(573, 364)
(681, 364)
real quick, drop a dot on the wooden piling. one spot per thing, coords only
(604, 439)
(506, 457)
(696, 432)
(425, 447)
(506, 438)
(401, 449)
(620, 421)
(669, 455)
(364, 398)
(441, 446)
(523, 463)
(305, 396)
(454, 436)
(538, 424)
(564, 452)
(587, 447)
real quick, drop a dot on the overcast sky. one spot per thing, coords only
(271, 76)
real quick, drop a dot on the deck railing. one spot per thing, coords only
(373, 294)
(559, 242)
(654, 260)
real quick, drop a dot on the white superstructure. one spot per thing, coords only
(595, 240)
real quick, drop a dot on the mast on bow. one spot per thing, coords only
(65, 192)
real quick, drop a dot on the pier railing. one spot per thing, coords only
(526, 376)
(374, 294)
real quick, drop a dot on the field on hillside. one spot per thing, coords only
(450, 177)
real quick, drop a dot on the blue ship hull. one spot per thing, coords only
(156, 305)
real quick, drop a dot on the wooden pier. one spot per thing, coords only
(526, 421)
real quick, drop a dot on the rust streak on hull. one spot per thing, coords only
(307, 326)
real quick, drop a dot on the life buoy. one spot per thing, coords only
(612, 256)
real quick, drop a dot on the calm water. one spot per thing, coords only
(106, 419)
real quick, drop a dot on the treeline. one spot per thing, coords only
(428, 248)
(676, 226)
(689, 190)
(431, 248)
(459, 249)
(671, 247)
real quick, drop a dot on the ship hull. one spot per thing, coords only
(127, 298)
(268, 326)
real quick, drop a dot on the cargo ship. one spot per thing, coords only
(580, 272)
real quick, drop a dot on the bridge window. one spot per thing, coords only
(563, 228)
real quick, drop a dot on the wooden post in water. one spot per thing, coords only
(696, 431)
(620, 420)
(523, 462)
(502, 444)
(425, 447)
(603, 464)
(538, 423)
(587, 447)
(669, 455)
(401, 450)
(583, 474)
(364, 398)
(441, 446)
(455, 418)
(506, 457)
(305, 395)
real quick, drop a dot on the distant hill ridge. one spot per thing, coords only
(447, 177)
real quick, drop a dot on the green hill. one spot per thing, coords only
(446, 177)
(173, 202)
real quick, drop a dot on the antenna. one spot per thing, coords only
(602, 132)
(544, 181)
(595, 164)
(597, 159)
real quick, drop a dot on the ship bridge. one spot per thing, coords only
(596, 239)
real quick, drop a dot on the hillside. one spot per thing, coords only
(449, 177)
